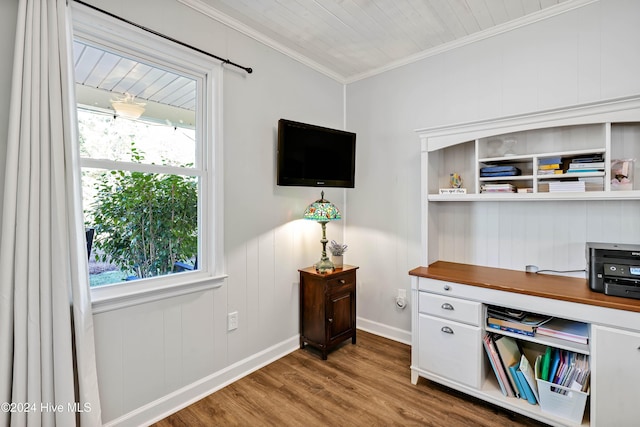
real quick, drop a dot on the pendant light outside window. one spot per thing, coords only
(127, 107)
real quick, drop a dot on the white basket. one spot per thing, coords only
(562, 401)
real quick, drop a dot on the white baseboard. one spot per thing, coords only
(173, 402)
(383, 330)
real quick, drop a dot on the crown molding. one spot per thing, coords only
(475, 37)
(234, 24)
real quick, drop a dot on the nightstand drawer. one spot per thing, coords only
(450, 350)
(451, 308)
(344, 279)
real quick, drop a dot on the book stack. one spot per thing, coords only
(593, 183)
(517, 322)
(525, 190)
(550, 166)
(497, 188)
(567, 186)
(565, 329)
(511, 367)
(499, 170)
(591, 163)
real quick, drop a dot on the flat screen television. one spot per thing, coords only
(315, 156)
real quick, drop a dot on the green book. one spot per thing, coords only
(546, 361)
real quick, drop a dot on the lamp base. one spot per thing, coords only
(324, 265)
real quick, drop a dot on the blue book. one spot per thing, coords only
(528, 393)
(498, 169)
(584, 170)
(512, 330)
(513, 370)
(550, 160)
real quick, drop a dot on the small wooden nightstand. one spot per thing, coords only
(327, 308)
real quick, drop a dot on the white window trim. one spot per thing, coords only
(94, 27)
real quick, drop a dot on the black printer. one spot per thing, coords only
(614, 269)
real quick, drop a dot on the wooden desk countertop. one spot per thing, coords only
(540, 285)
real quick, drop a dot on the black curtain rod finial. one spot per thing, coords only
(249, 70)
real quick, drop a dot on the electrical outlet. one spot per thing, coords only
(401, 299)
(232, 321)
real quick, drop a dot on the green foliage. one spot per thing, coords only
(145, 222)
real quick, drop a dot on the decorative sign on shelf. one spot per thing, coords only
(453, 191)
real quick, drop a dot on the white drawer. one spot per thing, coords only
(441, 287)
(451, 350)
(450, 308)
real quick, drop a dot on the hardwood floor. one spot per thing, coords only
(366, 384)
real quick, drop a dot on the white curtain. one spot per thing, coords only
(47, 354)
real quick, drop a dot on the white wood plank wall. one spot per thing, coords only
(551, 235)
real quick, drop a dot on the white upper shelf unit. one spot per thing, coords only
(605, 136)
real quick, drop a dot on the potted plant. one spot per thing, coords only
(337, 251)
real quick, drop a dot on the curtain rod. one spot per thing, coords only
(249, 70)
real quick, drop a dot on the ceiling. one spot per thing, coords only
(104, 76)
(98, 68)
(344, 39)
(352, 39)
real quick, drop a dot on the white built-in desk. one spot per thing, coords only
(449, 321)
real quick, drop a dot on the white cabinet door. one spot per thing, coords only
(451, 350)
(615, 377)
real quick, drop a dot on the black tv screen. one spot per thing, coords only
(315, 156)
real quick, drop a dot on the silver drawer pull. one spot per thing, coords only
(447, 287)
(447, 330)
(446, 306)
(342, 281)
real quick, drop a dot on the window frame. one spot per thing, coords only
(95, 28)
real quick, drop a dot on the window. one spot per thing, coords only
(146, 127)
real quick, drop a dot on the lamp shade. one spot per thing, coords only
(322, 210)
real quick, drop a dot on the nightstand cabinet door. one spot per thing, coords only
(341, 312)
(327, 308)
